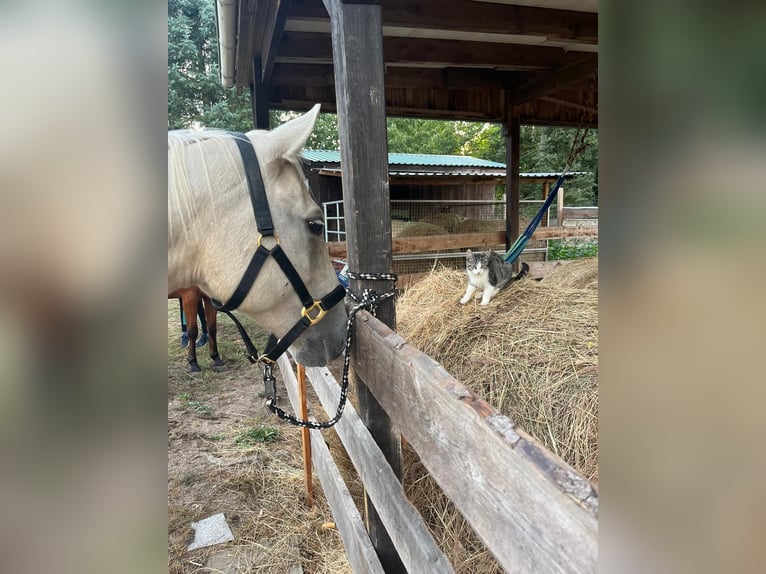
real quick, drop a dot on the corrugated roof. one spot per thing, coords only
(324, 156)
(489, 173)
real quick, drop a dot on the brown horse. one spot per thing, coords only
(190, 299)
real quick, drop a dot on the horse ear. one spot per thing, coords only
(290, 137)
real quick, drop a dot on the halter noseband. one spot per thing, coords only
(313, 310)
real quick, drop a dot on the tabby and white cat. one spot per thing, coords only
(488, 272)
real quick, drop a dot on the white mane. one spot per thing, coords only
(184, 149)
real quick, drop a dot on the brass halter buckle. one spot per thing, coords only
(317, 308)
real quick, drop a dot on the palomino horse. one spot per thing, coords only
(213, 235)
(190, 300)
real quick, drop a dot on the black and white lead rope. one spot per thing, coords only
(369, 300)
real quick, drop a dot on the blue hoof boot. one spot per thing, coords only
(202, 341)
(184, 340)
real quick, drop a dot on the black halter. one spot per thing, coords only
(313, 310)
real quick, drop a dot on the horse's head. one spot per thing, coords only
(217, 235)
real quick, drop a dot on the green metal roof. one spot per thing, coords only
(394, 159)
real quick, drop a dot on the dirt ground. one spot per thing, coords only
(227, 453)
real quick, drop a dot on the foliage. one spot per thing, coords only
(571, 249)
(196, 98)
(195, 94)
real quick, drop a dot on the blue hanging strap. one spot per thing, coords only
(521, 242)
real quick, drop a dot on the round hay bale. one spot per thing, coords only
(419, 229)
(448, 221)
(396, 227)
(480, 226)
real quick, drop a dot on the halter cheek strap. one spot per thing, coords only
(313, 310)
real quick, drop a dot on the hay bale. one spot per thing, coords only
(396, 227)
(448, 221)
(577, 274)
(532, 353)
(480, 226)
(419, 229)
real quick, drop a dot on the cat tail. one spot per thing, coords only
(522, 273)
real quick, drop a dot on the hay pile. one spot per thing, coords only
(532, 353)
(448, 221)
(420, 229)
(480, 226)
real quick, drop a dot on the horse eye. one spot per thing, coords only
(316, 226)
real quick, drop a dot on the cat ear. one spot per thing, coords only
(468, 254)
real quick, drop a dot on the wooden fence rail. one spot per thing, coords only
(530, 509)
(428, 243)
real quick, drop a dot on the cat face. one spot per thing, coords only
(476, 265)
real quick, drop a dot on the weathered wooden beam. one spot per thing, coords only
(532, 510)
(308, 47)
(272, 37)
(322, 75)
(459, 15)
(557, 79)
(410, 535)
(512, 130)
(357, 50)
(359, 550)
(259, 97)
(580, 213)
(249, 27)
(568, 104)
(403, 245)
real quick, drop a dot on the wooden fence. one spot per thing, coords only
(531, 510)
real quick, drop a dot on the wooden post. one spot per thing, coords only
(560, 207)
(305, 438)
(512, 140)
(357, 42)
(546, 191)
(259, 97)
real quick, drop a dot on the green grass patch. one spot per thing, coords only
(253, 436)
(571, 249)
(191, 404)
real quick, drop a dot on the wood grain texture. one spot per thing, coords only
(357, 50)
(427, 243)
(413, 541)
(361, 554)
(533, 511)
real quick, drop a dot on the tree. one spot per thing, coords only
(196, 97)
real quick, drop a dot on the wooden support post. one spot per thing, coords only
(259, 97)
(305, 437)
(560, 207)
(546, 191)
(512, 140)
(357, 42)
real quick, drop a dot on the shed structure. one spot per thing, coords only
(509, 61)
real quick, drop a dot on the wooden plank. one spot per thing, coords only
(555, 80)
(512, 185)
(560, 207)
(403, 245)
(546, 190)
(361, 554)
(459, 15)
(357, 48)
(413, 541)
(272, 37)
(259, 97)
(580, 213)
(308, 47)
(531, 510)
